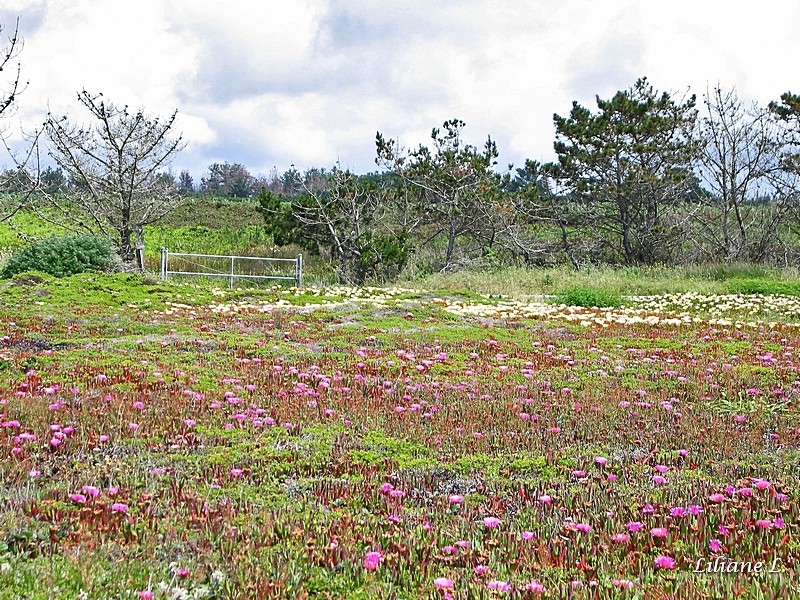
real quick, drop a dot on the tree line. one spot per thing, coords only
(641, 178)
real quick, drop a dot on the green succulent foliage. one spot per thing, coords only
(61, 256)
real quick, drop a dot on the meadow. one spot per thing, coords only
(163, 440)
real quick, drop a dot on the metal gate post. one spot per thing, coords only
(299, 271)
(164, 253)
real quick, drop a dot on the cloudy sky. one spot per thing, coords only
(308, 82)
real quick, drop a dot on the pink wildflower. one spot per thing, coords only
(764, 524)
(443, 583)
(534, 586)
(623, 583)
(499, 586)
(372, 560)
(665, 562)
(659, 532)
(491, 522)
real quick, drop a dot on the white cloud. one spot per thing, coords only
(310, 81)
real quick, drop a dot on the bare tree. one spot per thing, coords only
(116, 170)
(741, 154)
(11, 88)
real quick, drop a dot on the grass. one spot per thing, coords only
(278, 440)
(628, 281)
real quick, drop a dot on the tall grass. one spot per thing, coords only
(627, 281)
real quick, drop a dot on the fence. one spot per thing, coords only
(230, 263)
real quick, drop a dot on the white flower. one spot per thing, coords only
(180, 594)
(217, 577)
(202, 592)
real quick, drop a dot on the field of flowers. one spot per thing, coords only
(173, 442)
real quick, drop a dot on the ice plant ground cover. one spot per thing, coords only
(173, 442)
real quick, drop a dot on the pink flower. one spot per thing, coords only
(715, 545)
(764, 524)
(372, 560)
(659, 480)
(534, 586)
(455, 499)
(722, 530)
(661, 468)
(499, 586)
(491, 522)
(634, 526)
(91, 491)
(545, 499)
(237, 472)
(182, 573)
(119, 507)
(623, 583)
(386, 488)
(600, 460)
(583, 527)
(665, 562)
(481, 569)
(621, 538)
(397, 494)
(528, 535)
(659, 532)
(146, 595)
(717, 497)
(78, 498)
(443, 583)
(133, 426)
(761, 484)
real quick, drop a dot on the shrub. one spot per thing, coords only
(588, 297)
(764, 286)
(61, 256)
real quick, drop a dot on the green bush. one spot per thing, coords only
(589, 297)
(764, 286)
(61, 256)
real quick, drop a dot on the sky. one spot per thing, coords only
(270, 83)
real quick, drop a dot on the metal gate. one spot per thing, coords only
(230, 263)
